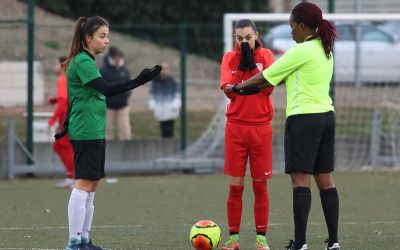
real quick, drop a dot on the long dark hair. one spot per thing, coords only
(84, 26)
(311, 15)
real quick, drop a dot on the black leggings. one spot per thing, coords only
(167, 128)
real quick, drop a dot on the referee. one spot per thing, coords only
(307, 70)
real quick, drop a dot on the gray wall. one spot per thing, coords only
(123, 155)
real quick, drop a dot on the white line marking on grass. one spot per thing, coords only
(11, 248)
(143, 226)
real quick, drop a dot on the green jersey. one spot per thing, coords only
(87, 119)
(307, 73)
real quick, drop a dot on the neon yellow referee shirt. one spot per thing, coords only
(307, 73)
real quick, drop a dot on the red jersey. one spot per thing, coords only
(62, 102)
(248, 109)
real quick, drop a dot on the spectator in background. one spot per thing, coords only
(118, 110)
(62, 147)
(165, 101)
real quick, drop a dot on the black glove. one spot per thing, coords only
(65, 126)
(247, 57)
(147, 75)
(63, 131)
(249, 91)
(243, 59)
(248, 53)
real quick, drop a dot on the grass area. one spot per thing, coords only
(157, 212)
(145, 126)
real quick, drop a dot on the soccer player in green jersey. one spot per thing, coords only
(86, 121)
(307, 70)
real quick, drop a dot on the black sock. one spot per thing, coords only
(330, 206)
(301, 209)
(232, 233)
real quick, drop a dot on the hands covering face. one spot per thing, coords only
(246, 57)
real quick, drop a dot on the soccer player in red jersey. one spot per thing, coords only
(248, 132)
(62, 147)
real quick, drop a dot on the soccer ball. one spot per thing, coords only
(205, 235)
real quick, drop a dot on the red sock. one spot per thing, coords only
(64, 150)
(261, 206)
(234, 207)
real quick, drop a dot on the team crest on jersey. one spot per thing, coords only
(259, 66)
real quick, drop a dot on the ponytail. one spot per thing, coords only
(84, 26)
(311, 15)
(77, 40)
(327, 32)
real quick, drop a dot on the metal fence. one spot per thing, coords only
(367, 114)
(198, 72)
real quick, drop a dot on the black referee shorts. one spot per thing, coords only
(89, 158)
(310, 143)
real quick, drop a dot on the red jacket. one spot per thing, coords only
(61, 102)
(250, 109)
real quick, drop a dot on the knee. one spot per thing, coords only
(259, 183)
(324, 181)
(326, 185)
(259, 187)
(300, 179)
(236, 181)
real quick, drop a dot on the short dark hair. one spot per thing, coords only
(62, 59)
(115, 51)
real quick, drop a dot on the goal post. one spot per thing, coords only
(367, 115)
(231, 18)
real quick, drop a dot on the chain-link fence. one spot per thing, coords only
(199, 72)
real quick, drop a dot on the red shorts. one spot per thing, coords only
(253, 142)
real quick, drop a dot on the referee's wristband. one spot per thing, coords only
(234, 88)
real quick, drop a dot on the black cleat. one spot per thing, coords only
(290, 246)
(88, 245)
(332, 246)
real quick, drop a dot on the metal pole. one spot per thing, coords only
(331, 6)
(30, 58)
(375, 138)
(183, 51)
(357, 52)
(11, 149)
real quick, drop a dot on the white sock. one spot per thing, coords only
(76, 212)
(89, 215)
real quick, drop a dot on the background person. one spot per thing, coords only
(248, 132)
(62, 147)
(118, 110)
(307, 70)
(165, 101)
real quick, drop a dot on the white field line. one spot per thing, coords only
(144, 226)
